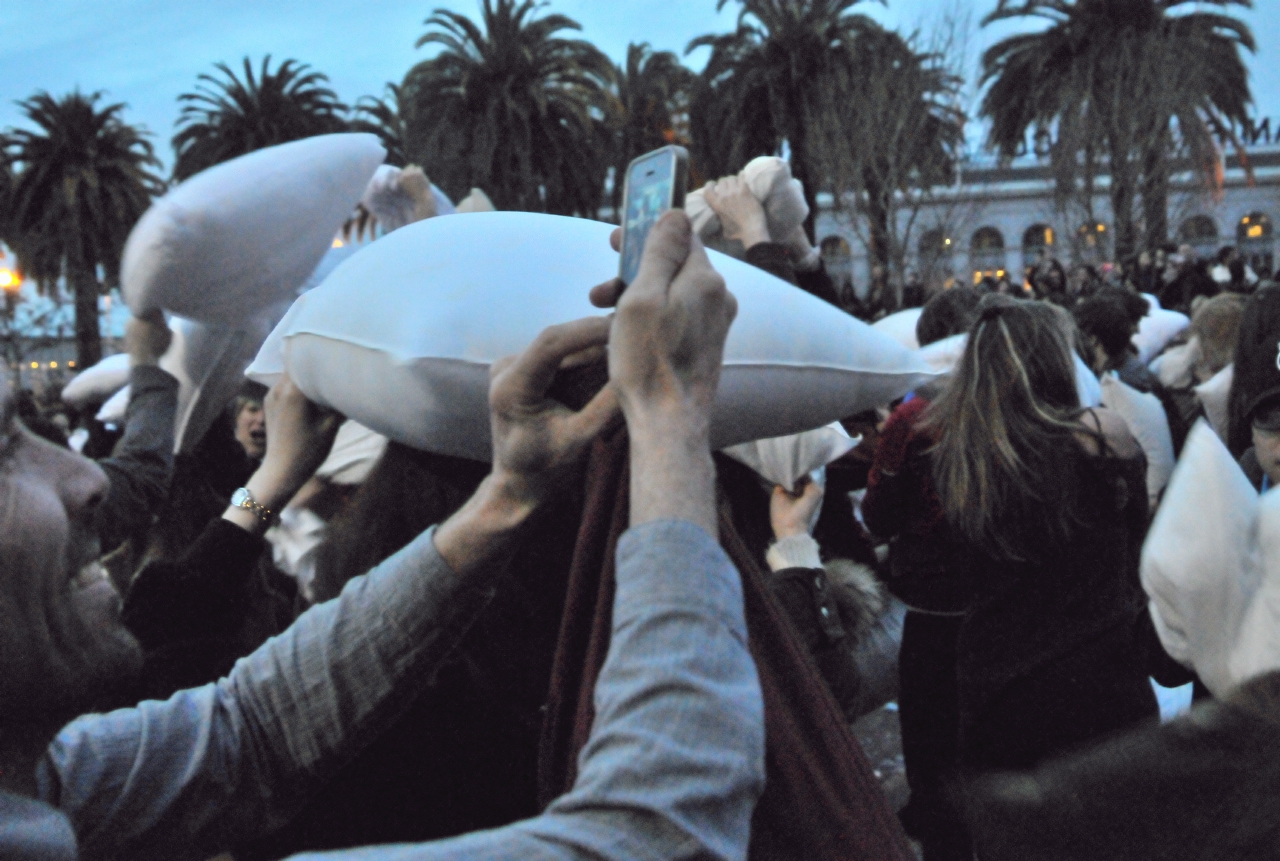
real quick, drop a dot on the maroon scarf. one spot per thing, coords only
(821, 800)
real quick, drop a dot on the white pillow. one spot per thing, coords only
(1199, 562)
(1157, 329)
(209, 361)
(1175, 367)
(113, 411)
(1145, 416)
(395, 205)
(401, 336)
(1215, 397)
(355, 451)
(785, 460)
(96, 384)
(769, 179)
(245, 234)
(901, 326)
(1257, 646)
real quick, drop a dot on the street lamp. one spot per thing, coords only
(10, 283)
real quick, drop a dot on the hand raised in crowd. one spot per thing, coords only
(665, 352)
(147, 337)
(299, 437)
(741, 215)
(793, 513)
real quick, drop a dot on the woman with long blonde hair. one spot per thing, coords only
(1046, 504)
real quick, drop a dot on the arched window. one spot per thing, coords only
(1201, 233)
(1091, 243)
(986, 253)
(837, 260)
(935, 257)
(1036, 238)
(1254, 238)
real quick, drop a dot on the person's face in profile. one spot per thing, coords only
(62, 643)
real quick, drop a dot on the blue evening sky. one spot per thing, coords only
(146, 52)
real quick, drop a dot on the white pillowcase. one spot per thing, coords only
(769, 179)
(243, 235)
(1215, 397)
(1200, 564)
(401, 336)
(785, 460)
(1145, 416)
(98, 383)
(1157, 329)
(901, 326)
(1175, 367)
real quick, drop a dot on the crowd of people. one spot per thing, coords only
(573, 651)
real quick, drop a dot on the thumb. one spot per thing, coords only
(665, 252)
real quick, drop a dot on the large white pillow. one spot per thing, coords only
(1157, 329)
(1175, 367)
(96, 384)
(1199, 563)
(243, 235)
(1215, 397)
(1257, 646)
(400, 337)
(769, 180)
(901, 326)
(1145, 416)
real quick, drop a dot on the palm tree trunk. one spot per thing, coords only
(801, 170)
(85, 288)
(881, 248)
(1155, 192)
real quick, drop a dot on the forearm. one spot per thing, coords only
(183, 778)
(140, 468)
(672, 474)
(675, 761)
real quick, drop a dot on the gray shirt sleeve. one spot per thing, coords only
(675, 760)
(184, 778)
(139, 470)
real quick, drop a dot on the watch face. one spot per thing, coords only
(240, 497)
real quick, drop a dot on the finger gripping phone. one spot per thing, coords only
(656, 182)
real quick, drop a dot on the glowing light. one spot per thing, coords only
(9, 280)
(999, 273)
(1254, 231)
(338, 243)
(977, 278)
(1048, 236)
(71, 364)
(53, 364)
(35, 365)
(1102, 228)
(946, 242)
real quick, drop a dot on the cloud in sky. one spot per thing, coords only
(146, 52)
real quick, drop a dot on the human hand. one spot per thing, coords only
(792, 513)
(741, 215)
(537, 440)
(299, 437)
(147, 337)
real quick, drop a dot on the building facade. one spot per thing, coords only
(999, 219)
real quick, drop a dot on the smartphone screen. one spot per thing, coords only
(655, 184)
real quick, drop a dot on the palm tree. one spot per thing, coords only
(510, 107)
(775, 78)
(227, 117)
(1122, 80)
(384, 118)
(83, 178)
(653, 90)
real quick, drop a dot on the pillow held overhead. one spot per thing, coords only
(245, 234)
(400, 337)
(769, 179)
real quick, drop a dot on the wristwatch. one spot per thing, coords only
(242, 498)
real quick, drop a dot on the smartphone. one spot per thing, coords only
(655, 183)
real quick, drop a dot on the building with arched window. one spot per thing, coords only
(1254, 241)
(986, 253)
(993, 202)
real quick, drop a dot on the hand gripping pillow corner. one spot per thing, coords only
(1199, 562)
(245, 234)
(400, 337)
